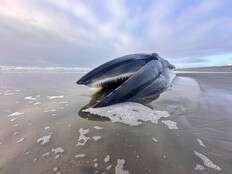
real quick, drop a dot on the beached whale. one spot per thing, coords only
(130, 77)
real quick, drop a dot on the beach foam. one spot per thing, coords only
(55, 169)
(80, 155)
(57, 150)
(199, 167)
(107, 159)
(29, 98)
(200, 142)
(82, 139)
(20, 140)
(129, 113)
(50, 110)
(96, 138)
(55, 97)
(45, 155)
(13, 119)
(170, 124)
(37, 103)
(15, 114)
(98, 127)
(108, 167)
(207, 162)
(154, 140)
(47, 127)
(63, 102)
(119, 167)
(95, 165)
(10, 93)
(44, 140)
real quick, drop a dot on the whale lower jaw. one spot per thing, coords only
(107, 82)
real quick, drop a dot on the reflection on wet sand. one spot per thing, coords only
(100, 94)
(42, 132)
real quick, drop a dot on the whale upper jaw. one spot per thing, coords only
(118, 68)
(103, 83)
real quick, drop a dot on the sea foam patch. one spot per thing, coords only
(200, 142)
(119, 167)
(170, 124)
(20, 140)
(82, 139)
(199, 167)
(98, 127)
(107, 159)
(129, 113)
(44, 140)
(80, 155)
(96, 138)
(154, 140)
(45, 155)
(29, 98)
(57, 151)
(15, 114)
(10, 93)
(50, 110)
(206, 161)
(15, 118)
(37, 103)
(109, 167)
(55, 97)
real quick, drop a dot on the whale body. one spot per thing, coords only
(130, 77)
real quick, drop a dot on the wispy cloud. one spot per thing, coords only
(87, 33)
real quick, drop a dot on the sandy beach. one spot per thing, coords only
(43, 128)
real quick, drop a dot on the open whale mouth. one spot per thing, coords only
(111, 82)
(129, 78)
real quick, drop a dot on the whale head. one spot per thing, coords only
(118, 70)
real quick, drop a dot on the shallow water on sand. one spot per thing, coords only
(42, 129)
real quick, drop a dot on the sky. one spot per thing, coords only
(90, 32)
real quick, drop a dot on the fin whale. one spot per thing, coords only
(129, 78)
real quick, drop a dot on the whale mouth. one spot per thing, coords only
(111, 82)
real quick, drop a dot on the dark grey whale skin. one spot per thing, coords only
(149, 75)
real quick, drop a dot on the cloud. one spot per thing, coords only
(88, 33)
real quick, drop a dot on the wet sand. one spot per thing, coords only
(42, 129)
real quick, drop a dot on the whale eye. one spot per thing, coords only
(171, 66)
(155, 56)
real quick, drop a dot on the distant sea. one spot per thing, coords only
(43, 69)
